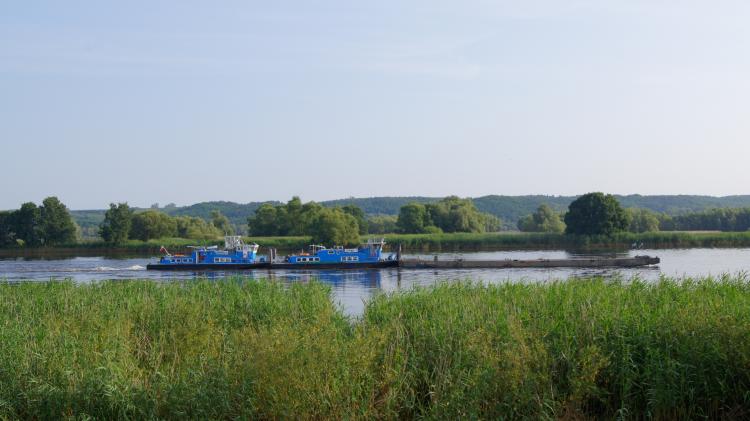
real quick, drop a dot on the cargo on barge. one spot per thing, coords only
(600, 262)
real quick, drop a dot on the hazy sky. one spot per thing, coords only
(186, 101)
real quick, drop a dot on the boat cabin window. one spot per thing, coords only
(331, 252)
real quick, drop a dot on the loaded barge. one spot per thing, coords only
(602, 262)
(240, 256)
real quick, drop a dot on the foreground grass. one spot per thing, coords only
(582, 348)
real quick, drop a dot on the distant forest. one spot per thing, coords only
(510, 209)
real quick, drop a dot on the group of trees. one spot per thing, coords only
(339, 225)
(451, 214)
(596, 213)
(46, 225)
(590, 214)
(122, 223)
(545, 219)
(727, 219)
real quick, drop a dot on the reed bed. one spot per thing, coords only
(519, 241)
(257, 349)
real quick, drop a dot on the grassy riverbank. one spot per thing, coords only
(430, 242)
(249, 349)
(150, 247)
(508, 241)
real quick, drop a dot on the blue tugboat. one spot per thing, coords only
(368, 255)
(236, 255)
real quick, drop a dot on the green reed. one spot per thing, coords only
(255, 349)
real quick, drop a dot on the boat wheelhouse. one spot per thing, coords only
(235, 255)
(369, 254)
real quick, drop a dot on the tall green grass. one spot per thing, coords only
(255, 349)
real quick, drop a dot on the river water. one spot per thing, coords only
(352, 288)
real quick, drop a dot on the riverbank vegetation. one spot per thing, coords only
(412, 243)
(47, 225)
(341, 226)
(510, 209)
(451, 214)
(442, 225)
(588, 348)
(535, 241)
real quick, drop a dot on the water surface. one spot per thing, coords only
(352, 288)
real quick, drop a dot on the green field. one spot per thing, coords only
(256, 349)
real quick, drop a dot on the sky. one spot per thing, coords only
(183, 102)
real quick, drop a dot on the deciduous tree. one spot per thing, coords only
(152, 224)
(56, 224)
(595, 214)
(413, 218)
(116, 225)
(545, 219)
(334, 227)
(25, 224)
(221, 222)
(642, 220)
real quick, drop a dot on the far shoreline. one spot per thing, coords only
(417, 243)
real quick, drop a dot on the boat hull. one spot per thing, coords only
(420, 264)
(208, 266)
(336, 265)
(264, 265)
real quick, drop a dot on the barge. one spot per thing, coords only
(600, 262)
(237, 255)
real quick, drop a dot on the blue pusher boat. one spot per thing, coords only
(368, 255)
(235, 255)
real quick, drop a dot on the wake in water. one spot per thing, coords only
(111, 269)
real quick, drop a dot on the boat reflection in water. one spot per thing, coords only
(333, 277)
(349, 288)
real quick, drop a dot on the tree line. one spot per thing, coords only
(121, 223)
(339, 225)
(737, 219)
(637, 220)
(51, 223)
(47, 225)
(590, 214)
(451, 214)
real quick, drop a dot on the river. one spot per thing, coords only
(352, 288)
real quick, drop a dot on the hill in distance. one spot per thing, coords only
(508, 208)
